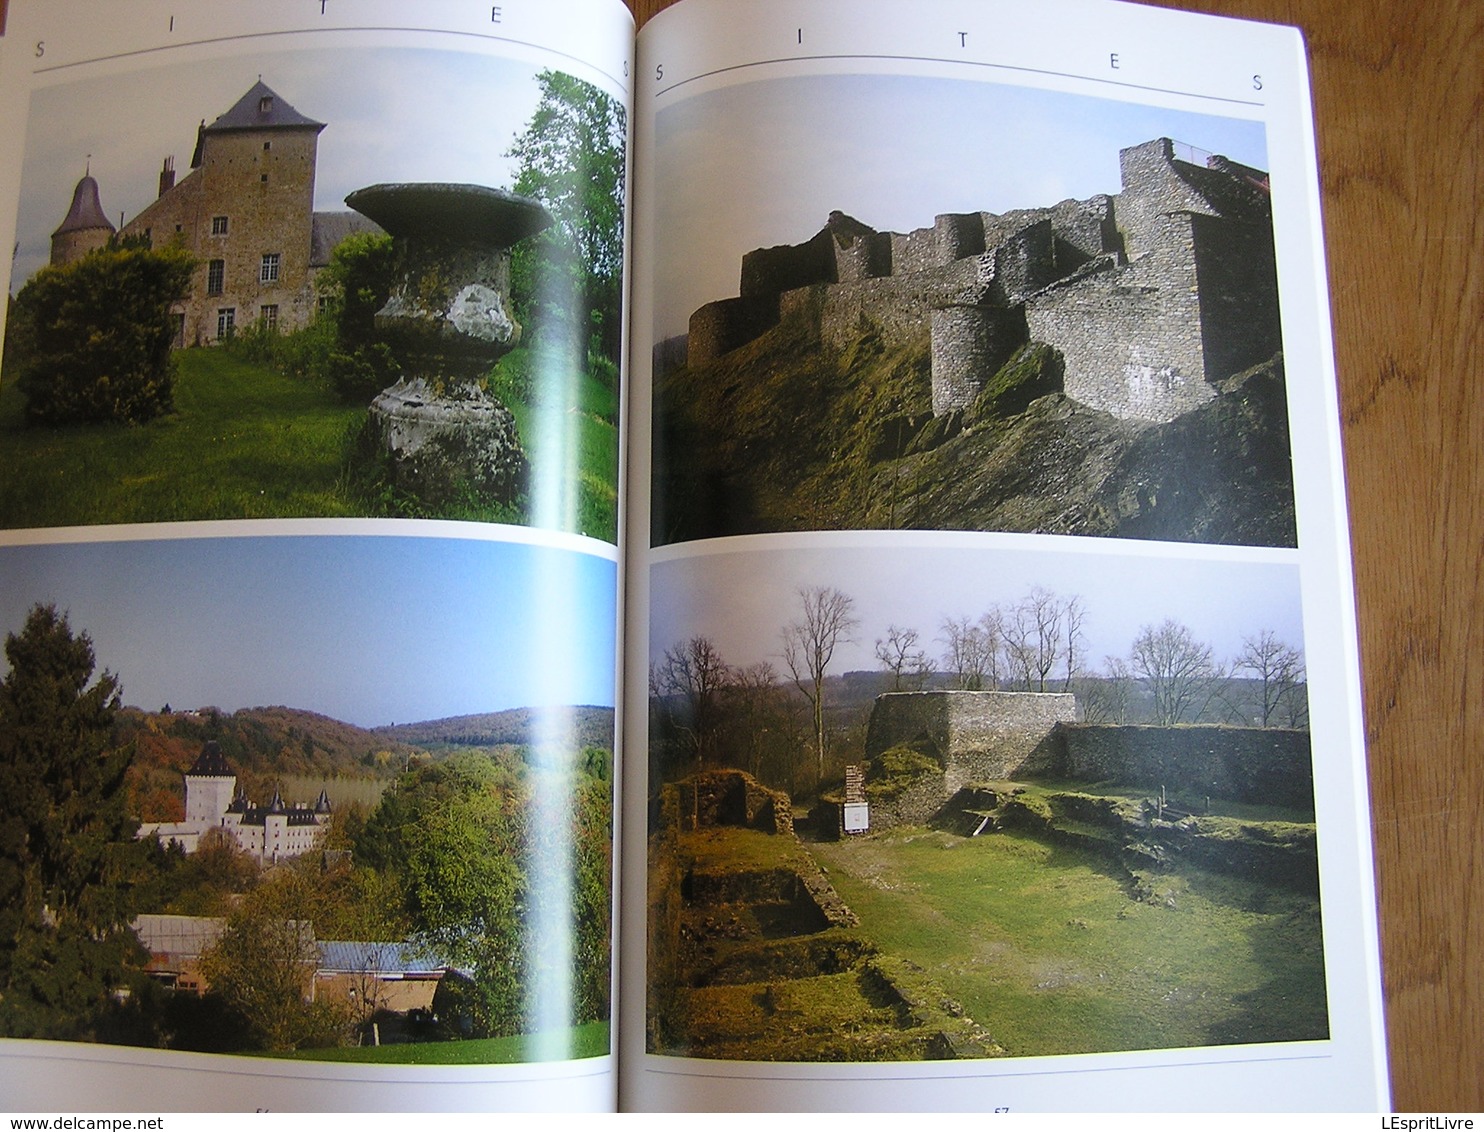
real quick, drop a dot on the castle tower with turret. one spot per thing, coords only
(85, 227)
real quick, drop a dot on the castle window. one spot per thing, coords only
(264, 178)
(267, 146)
(226, 322)
(216, 276)
(268, 273)
(268, 316)
(218, 225)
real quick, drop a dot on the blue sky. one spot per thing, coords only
(741, 600)
(390, 114)
(763, 163)
(370, 630)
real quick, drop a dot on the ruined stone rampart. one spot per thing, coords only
(1245, 764)
(1237, 281)
(771, 271)
(726, 797)
(974, 735)
(722, 326)
(1152, 297)
(985, 736)
(1131, 339)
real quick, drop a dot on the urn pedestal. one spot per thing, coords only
(446, 321)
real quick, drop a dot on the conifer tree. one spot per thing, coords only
(66, 838)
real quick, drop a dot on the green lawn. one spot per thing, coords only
(588, 1040)
(243, 443)
(1045, 948)
(248, 443)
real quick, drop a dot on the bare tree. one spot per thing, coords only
(1106, 699)
(1278, 669)
(1033, 638)
(694, 672)
(1182, 673)
(809, 645)
(754, 705)
(970, 652)
(1074, 613)
(900, 654)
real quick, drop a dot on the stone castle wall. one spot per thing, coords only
(1131, 338)
(974, 735)
(1262, 765)
(1152, 297)
(985, 736)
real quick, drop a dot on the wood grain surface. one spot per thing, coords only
(1398, 90)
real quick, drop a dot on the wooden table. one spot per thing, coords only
(1398, 89)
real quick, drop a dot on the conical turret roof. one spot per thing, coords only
(86, 212)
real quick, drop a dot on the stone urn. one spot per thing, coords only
(446, 322)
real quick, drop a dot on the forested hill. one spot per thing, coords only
(575, 727)
(262, 745)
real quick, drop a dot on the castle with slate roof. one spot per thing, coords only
(245, 211)
(270, 833)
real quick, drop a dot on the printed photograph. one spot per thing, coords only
(931, 810)
(256, 799)
(363, 282)
(954, 305)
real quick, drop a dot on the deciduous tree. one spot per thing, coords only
(571, 157)
(900, 654)
(1181, 672)
(827, 620)
(1278, 668)
(97, 335)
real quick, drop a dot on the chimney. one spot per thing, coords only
(167, 176)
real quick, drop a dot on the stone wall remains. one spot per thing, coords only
(1131, 339)
(975, 735)
(1237, 281)
(728, 797)
(969, 344)
(1152, 297)
(770, 271)
(722, 326)
(1245, 764)
(985, 736)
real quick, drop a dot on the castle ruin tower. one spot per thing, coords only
(85, 228)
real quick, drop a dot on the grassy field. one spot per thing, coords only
(588, 1040)
(1045, 948)
(244, 443)
(248, 443)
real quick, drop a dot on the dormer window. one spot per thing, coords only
(265, 104)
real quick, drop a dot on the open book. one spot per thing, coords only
(798, 563)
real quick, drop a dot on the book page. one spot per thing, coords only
(1002, 717)
(309, 419)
